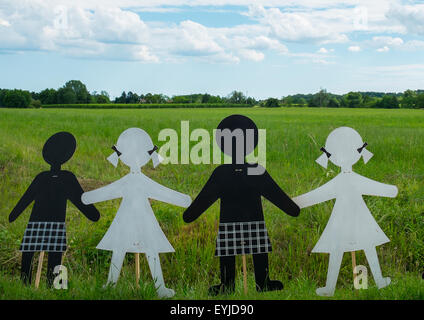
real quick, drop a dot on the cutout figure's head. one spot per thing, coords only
(344, 147)
(59, 148)
(237, 134)
(135, 148)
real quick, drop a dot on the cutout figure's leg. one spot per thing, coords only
(115, 267)
(26, 267)
(372, 258)
(332, 274)
(263, 283)
(156, 271)
(228, 276)
(55, 259)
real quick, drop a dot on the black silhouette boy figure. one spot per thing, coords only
(50, 191)
(240, 186)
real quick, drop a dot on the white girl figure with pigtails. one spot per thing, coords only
(351, 226)
(135, 228)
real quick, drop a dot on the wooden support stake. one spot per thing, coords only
(353, 264)
(244, 273)
(39, 268)
(137, 270)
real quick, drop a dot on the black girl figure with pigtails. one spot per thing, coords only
(351, 226)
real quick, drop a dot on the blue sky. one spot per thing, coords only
(269, 48)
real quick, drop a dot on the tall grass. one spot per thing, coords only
(294, 137)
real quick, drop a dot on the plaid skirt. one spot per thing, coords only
(236, 238)
(44, 236)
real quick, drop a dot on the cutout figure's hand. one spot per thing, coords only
(187, 201)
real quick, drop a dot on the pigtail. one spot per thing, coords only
(114, 157)
(156, 157)
(323, 159)
(366, 155)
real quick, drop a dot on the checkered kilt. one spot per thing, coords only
(44, 236)
(236, 238)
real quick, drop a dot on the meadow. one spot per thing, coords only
(294, 137)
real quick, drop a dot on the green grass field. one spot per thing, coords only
(294, 136)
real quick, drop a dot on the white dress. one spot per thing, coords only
(135, 228)
(351, 226)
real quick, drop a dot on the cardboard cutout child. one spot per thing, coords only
(351, 226)
(135, 228)
(50, 191)
(242, 227)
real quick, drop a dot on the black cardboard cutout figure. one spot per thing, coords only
(242, 227)
(50, 190)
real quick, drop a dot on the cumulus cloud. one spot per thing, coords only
(411, 17)
(113, 29)
(299, 26)
(354, 48)
(383, 49)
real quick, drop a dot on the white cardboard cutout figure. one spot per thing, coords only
(135, 228)
(351, 226)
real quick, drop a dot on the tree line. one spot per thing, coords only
(412, 99)
(76, 92)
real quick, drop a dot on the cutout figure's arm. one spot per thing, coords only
(108, 192)
(371, 187)
(25, 201)
(321, 194)
(272, 192)
(164, 194)
(203, 201)
(75, 193)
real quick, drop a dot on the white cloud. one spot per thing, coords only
(411, 17)
(354, 48)
(387, 41)
(4, 23)
(113, 30)
(383, 49)
(252, 54)
(313, 26)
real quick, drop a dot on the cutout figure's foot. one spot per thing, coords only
(109, 284)
(221, 289)
(270, 285)
(165, 292)
(325, 292)
(383, 282)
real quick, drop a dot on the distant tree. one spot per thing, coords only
(409, 99)
(16, 98)
(79, 89)
(48, 96)
(237, 97)
(288, 101)
(353, 100)
(102, 97)
(389, 101)
(35, 104)
(180, 99)
(122, 98)
(2, 93)
(251, 101)
(333, 103)
(368, 101)
(272, 103)
(66, 96)
(419, 101)
(320, 99)
(302, 102)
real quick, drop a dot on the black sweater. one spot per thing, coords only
(50, 191)
(240, 195)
